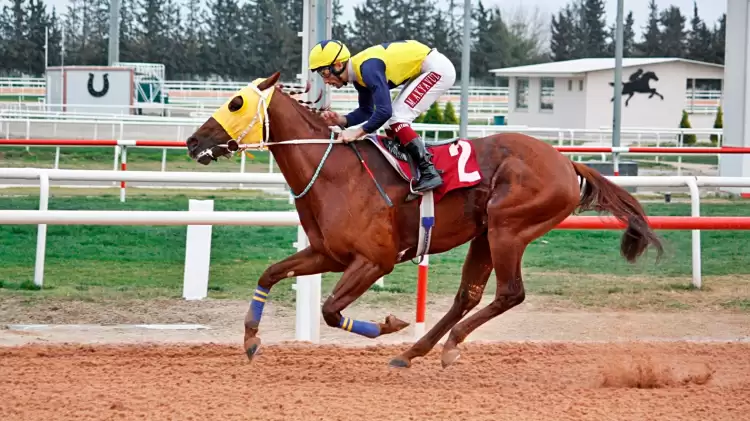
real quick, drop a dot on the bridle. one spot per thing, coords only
(235, 145)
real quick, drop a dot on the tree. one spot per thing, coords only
(338, 29)
(673, 37)
(687, 139)
(718, 124)
(449, 114)
(651, 44)
(562, 35)
(718, 40)
(593, 29)
(699, 38)
(373, 23)
(628, 37)
(433, 116)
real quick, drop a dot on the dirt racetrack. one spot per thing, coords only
(513, 381)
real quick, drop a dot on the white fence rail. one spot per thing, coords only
(484, 101)
(20, 125)
(308, 292)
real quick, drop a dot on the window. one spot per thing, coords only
(580, 85)
(546, 93)
(522, 93)
(708, 84)
(570, 84)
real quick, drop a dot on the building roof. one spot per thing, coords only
(585, 65)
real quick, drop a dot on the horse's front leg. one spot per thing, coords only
(356, 280)
(302, 263)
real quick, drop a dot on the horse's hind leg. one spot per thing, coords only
(507, 249)
(476, 271)
(358, 277)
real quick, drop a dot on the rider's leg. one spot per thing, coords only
(438, 75)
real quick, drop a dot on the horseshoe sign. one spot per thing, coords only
(104, 89)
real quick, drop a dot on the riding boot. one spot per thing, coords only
(429, 176)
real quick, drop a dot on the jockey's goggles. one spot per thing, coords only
(327, 71)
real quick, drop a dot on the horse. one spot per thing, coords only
(640, 85)
(353, 205)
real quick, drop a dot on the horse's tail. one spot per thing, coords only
(600, 194)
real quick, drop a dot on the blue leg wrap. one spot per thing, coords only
(258, 302)
(368, 329)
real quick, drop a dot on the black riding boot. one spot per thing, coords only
(430, 178)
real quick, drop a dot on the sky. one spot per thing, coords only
(709, 10)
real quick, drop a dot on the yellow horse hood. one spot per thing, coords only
(246, 124)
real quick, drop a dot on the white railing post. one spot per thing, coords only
(695, 211)
(307, 326)
(123, 167)
(197, 254)
(41, 235)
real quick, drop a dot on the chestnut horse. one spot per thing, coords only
(527, 188)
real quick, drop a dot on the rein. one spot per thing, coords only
(235, 145)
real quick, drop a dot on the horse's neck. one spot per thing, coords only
(298, 162)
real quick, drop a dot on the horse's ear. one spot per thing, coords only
(271, 81)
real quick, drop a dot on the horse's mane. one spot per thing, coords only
(306, 108)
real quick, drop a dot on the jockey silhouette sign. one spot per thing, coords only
(638, 82)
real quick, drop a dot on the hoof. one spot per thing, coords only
(400, 362)
(392, 324)
(252, 346)
(450, 357)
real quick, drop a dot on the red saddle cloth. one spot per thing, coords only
(457, 162)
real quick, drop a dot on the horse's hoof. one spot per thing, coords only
(393, 324)
(400, 362)
(450, 357)
(252, 346)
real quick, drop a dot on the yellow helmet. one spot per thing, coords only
(326, 53)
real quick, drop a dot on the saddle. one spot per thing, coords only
(455, 159)
(399, 157)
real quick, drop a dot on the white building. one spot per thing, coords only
(578, 93)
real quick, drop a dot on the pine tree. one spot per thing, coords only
(651, 45)
(593, 28)
(562, 35)
(718, 124)
(699, 37)
(687, 139)
(674, 34)
(718, 37)
(373, 23)
(449, 114)
(338, 29)
(628, 37)
(434, 115)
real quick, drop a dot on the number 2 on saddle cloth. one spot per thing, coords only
(456, 161)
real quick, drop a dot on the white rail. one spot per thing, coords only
(51, 125)
(484, 101)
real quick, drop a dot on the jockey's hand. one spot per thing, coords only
(351, 134)
(332, 118)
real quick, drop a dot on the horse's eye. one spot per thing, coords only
(235, 104)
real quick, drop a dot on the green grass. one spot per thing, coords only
(148, 261)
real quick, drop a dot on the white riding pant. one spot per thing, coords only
(438, 75)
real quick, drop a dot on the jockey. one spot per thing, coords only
(426, 72)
